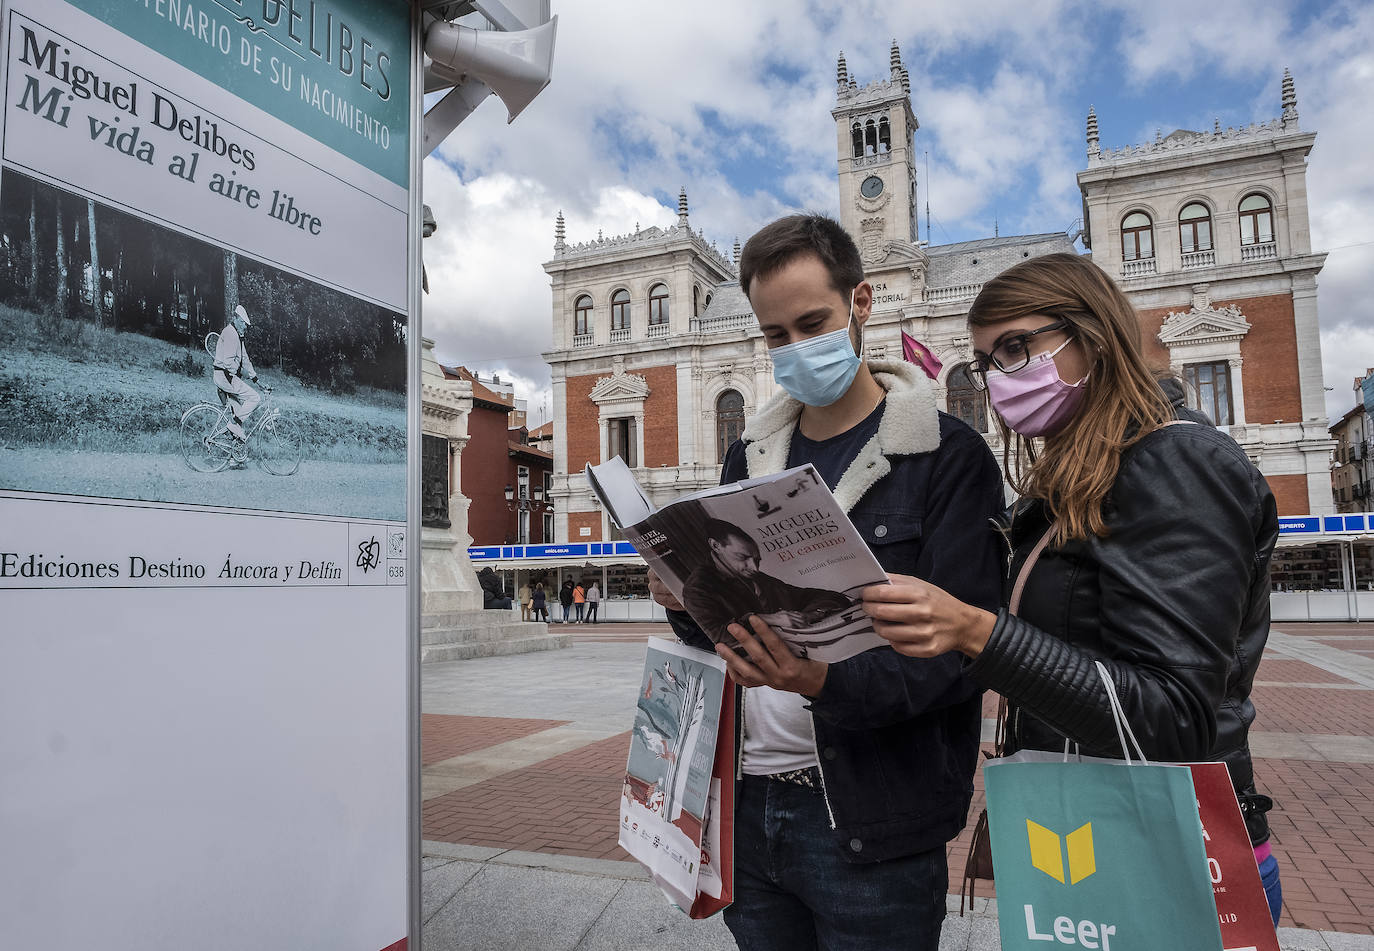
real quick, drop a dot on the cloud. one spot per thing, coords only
(737, 108)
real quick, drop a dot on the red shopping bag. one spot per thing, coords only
(1242, 908)
(718, 839)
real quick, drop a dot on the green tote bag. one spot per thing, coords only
(1098, 855)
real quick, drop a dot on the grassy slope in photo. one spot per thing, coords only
(91, 411)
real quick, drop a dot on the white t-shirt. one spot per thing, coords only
(778, 733)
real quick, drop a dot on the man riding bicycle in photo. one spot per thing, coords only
(231, 366)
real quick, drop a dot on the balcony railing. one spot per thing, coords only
(657, 330)
(936, 295)
(620, 336)
(1192, 259)
(720, 325)
(1142, 268)
(582, 341)
(1259, 252)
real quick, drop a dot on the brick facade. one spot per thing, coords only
(583, 429)
(1270, 348)
(1290, 493)
(484, 474)
(580, 520)
(660, 417)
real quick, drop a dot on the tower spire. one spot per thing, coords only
(737, 251)
(682, 206)
(1093, 147)
(559, 232)
(841, 72)
(895, 60)
(1290, 100)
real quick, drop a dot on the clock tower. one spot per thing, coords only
(877, 167)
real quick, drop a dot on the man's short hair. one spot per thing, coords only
(721, 531)
(778, 244)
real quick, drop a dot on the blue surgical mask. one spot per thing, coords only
(818, 371)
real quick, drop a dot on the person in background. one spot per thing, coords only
(579, 594)
(565, 598)
(525, 604)
(593, 601)
(538, 604)
(856, 774)
(1155, 532)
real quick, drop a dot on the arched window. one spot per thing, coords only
(1195, 228)
(1256, 220)
(696, 302)
(620, 310)
(658, 304)
(884, 135)
(964, 400)
(582, 316)
(707, 306)
(856, 135)
(729, 421)
(1137, 237)
(870, 138)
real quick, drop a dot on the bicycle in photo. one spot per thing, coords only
(207, 445)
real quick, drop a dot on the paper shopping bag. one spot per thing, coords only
(672, 762)
(716, 881)
(1242, 908)
(1098, 855)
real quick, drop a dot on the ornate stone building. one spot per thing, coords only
(1208, 234)
(656, 354)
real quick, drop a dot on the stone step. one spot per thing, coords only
(475, 632)
(464, 618)
(436, 653)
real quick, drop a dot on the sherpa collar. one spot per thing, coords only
(910, 425)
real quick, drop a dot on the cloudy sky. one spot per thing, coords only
(648, 97)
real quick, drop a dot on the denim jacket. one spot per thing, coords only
(897, 737)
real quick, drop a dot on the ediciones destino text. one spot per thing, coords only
(37, 566)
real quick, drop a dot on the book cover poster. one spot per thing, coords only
(779, 547)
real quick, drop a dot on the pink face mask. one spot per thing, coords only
(1033, 400)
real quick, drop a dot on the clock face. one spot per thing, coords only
(872, 187)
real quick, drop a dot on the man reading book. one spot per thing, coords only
(856, 773)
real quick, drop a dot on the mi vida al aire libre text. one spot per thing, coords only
(53, 87)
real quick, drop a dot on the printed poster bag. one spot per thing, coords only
(1099, 854)
(677, 802)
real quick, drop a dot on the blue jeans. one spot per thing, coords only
(1273, 888)
(794, 891)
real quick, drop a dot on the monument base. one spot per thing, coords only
(463, 635)
(453, 624)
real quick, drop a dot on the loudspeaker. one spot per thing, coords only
(517, 66)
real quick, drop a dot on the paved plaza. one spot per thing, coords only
(524, 757)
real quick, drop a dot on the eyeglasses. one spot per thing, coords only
(1010, 355)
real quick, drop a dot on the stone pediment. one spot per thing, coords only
(620, 386)
(902, 252)
(1208, 325)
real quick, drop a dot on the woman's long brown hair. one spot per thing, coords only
(1075, 468)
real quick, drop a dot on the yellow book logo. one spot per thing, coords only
(1047, 854)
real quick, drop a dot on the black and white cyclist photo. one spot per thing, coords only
(146, 364)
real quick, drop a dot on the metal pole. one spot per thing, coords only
(414, 404)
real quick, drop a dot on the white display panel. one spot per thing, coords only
(207, 670)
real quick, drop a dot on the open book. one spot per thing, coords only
(778, 546)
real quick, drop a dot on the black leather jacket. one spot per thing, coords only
(1175, 602)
